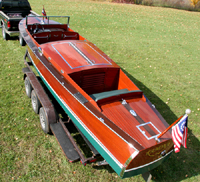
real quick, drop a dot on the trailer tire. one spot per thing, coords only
(28, 87)
(44, 121)
(4, 34)
(21, 40)
(35, 102)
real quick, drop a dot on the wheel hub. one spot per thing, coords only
(42, 121)
(34, 102)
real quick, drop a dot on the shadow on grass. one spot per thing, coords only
(13, 38)
(180, 166)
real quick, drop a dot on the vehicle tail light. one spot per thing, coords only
(8, 24)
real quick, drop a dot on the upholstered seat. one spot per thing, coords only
(104, 95)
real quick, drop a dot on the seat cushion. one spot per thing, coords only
(107, 94)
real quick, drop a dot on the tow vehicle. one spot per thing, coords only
(11, 12)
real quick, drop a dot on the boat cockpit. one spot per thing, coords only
(45, 30)
(104, 85)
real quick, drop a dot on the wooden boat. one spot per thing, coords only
(103, 103)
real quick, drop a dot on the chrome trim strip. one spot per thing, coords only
(131, 157)
(83, 55)
(128, 161)
(40, 37)
(61, 56)
(149, 163)
(133, 169)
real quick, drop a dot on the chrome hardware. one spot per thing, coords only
(40, 51)
(124, 102)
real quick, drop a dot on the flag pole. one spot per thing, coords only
(43, 15)
(187, 112)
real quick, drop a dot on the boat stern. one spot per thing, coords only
(147, 159)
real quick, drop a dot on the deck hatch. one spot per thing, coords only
(79, 54)
(142, 129)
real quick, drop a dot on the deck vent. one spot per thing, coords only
(94, 80)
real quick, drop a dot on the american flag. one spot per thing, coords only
(179, 133)
(44, 12)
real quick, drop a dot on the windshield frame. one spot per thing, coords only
(46, 20)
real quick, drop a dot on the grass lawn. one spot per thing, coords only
(157, 47)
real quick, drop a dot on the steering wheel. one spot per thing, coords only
(37, 27)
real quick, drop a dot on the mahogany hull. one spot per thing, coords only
(125, 140)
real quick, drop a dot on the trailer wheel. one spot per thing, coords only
(21, 40)
(44, 121)
(28, 87)
(5, 35)
(35, 102)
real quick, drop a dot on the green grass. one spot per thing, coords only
(157, 47)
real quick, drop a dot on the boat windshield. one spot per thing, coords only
(47, 20)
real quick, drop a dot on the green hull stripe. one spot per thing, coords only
(102, 151)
